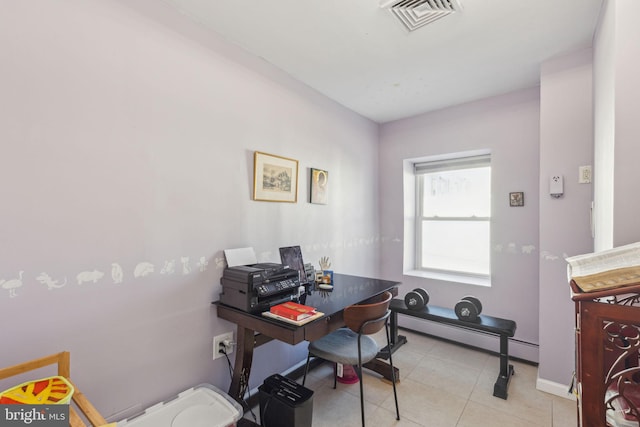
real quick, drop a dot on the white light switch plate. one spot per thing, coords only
(584, 175)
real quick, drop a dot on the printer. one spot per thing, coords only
(258, 287)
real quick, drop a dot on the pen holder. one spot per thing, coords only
(327, 277)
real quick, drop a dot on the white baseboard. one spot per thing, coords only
(554, 388)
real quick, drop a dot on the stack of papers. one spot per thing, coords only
(610, 269)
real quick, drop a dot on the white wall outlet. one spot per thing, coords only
(222, 344)
(584, 175)
(556, 186)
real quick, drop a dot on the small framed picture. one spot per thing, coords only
(516, 199)
(275, 178)
(319, 191)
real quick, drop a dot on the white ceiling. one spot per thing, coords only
(360, 55)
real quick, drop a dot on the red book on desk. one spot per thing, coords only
(293, 310)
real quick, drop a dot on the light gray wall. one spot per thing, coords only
(627, 125)
(617, 127)
(509, 126)
(604, 95)
(566, 143)
(128, 134)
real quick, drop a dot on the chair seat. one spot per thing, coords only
(341, 346)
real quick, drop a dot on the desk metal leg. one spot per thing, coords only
(382, 368)
(396, 340)
(242, 367)
(506, 370)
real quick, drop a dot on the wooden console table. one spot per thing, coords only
(255, 329)
(607, 356)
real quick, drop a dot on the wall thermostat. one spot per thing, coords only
(556, 186)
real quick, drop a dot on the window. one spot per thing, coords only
(453, 216)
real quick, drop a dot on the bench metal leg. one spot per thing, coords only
(506, 370)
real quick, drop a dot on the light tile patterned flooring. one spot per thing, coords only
(441, 385)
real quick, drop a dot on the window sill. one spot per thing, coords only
(450, 277)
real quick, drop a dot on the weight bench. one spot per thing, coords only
(485, 324)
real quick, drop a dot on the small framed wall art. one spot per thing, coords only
(516, 199)
(275, 178)
(319, 191)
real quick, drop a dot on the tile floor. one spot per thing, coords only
(441, 385)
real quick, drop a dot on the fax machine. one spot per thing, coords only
(257, 287)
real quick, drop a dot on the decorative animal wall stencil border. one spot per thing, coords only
(12, 284)
(45, 279)
(146, 268)
(141, 270)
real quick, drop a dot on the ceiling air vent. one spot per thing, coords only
(416, 13)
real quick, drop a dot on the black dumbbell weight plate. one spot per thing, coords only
(475, 301)
(424, 294)
(414, 301)
(466, 310)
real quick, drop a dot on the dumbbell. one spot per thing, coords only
(417, 299)
(468, 308)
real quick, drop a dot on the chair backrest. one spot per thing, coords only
(372, 314)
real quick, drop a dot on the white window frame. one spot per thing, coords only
(413, 245)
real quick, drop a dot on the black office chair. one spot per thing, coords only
(353, 345)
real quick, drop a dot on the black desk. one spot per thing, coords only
(255, 329)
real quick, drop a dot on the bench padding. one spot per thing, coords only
(492, 325)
